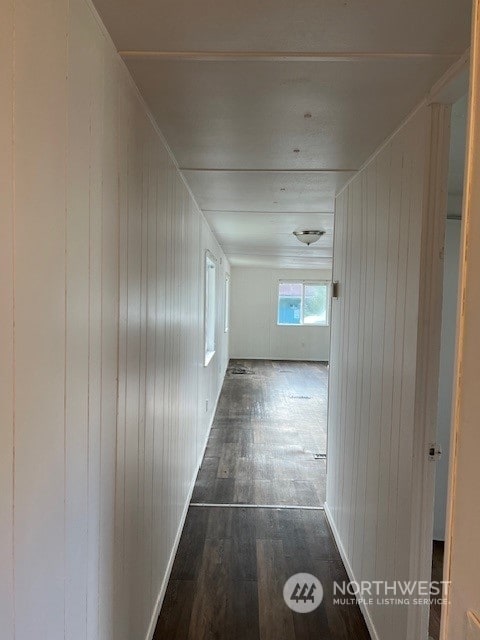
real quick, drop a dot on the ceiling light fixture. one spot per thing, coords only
(308, 236)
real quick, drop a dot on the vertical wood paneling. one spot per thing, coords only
(39, 281)
(95, 336)
(162, 430)
(151, 278)
(126, 105)
(388, 219)
(110, 391)
(6, 319)
(77, 331)
(109, 331)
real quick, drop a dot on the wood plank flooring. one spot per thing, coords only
(228, 577)
(270, 423)
(232, 562)
(437, 576)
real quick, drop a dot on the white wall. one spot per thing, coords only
(447, 368)
(254, 329)
(387, 260)
(6, 323)
(102, 386)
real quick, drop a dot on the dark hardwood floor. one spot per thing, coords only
(228, 578)
(270, 423)
(437, 576)
(232, 562)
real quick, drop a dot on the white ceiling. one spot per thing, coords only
(262, 191)
(269, 107)
(288, 25)
(271, 240)
(251, 115)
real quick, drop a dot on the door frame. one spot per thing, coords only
(463, 471)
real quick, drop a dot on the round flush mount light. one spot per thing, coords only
(308, 236)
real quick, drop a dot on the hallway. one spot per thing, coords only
(270, 423)
(199, 204)
(232, 561)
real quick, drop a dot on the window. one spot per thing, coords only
(303, 303)
(227, 303)
(210, 277)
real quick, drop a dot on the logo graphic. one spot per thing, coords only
(303, 592)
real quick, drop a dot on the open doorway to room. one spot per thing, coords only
(447, 347)
(277, 383)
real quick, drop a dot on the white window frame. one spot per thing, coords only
(325, 283)
(210, 294)
(226, 309)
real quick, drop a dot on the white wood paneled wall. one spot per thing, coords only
(387, 258)
(103, 391)
(254, 329)
(7, 403)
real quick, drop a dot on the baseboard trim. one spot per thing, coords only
(171, 560)
(349, 570)
(163, 589)
(242, 505)
(278, 359)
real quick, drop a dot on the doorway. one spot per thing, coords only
(447, 346)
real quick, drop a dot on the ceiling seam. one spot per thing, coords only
(221, 170)
(286, 56)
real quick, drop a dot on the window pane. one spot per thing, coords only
(315, 304)
(227, 303)
(290, 302)
(289, 310)
(210, 281)
(290, 289)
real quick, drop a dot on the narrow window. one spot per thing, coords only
(227, 303)
(303, 303)
(210, 278)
